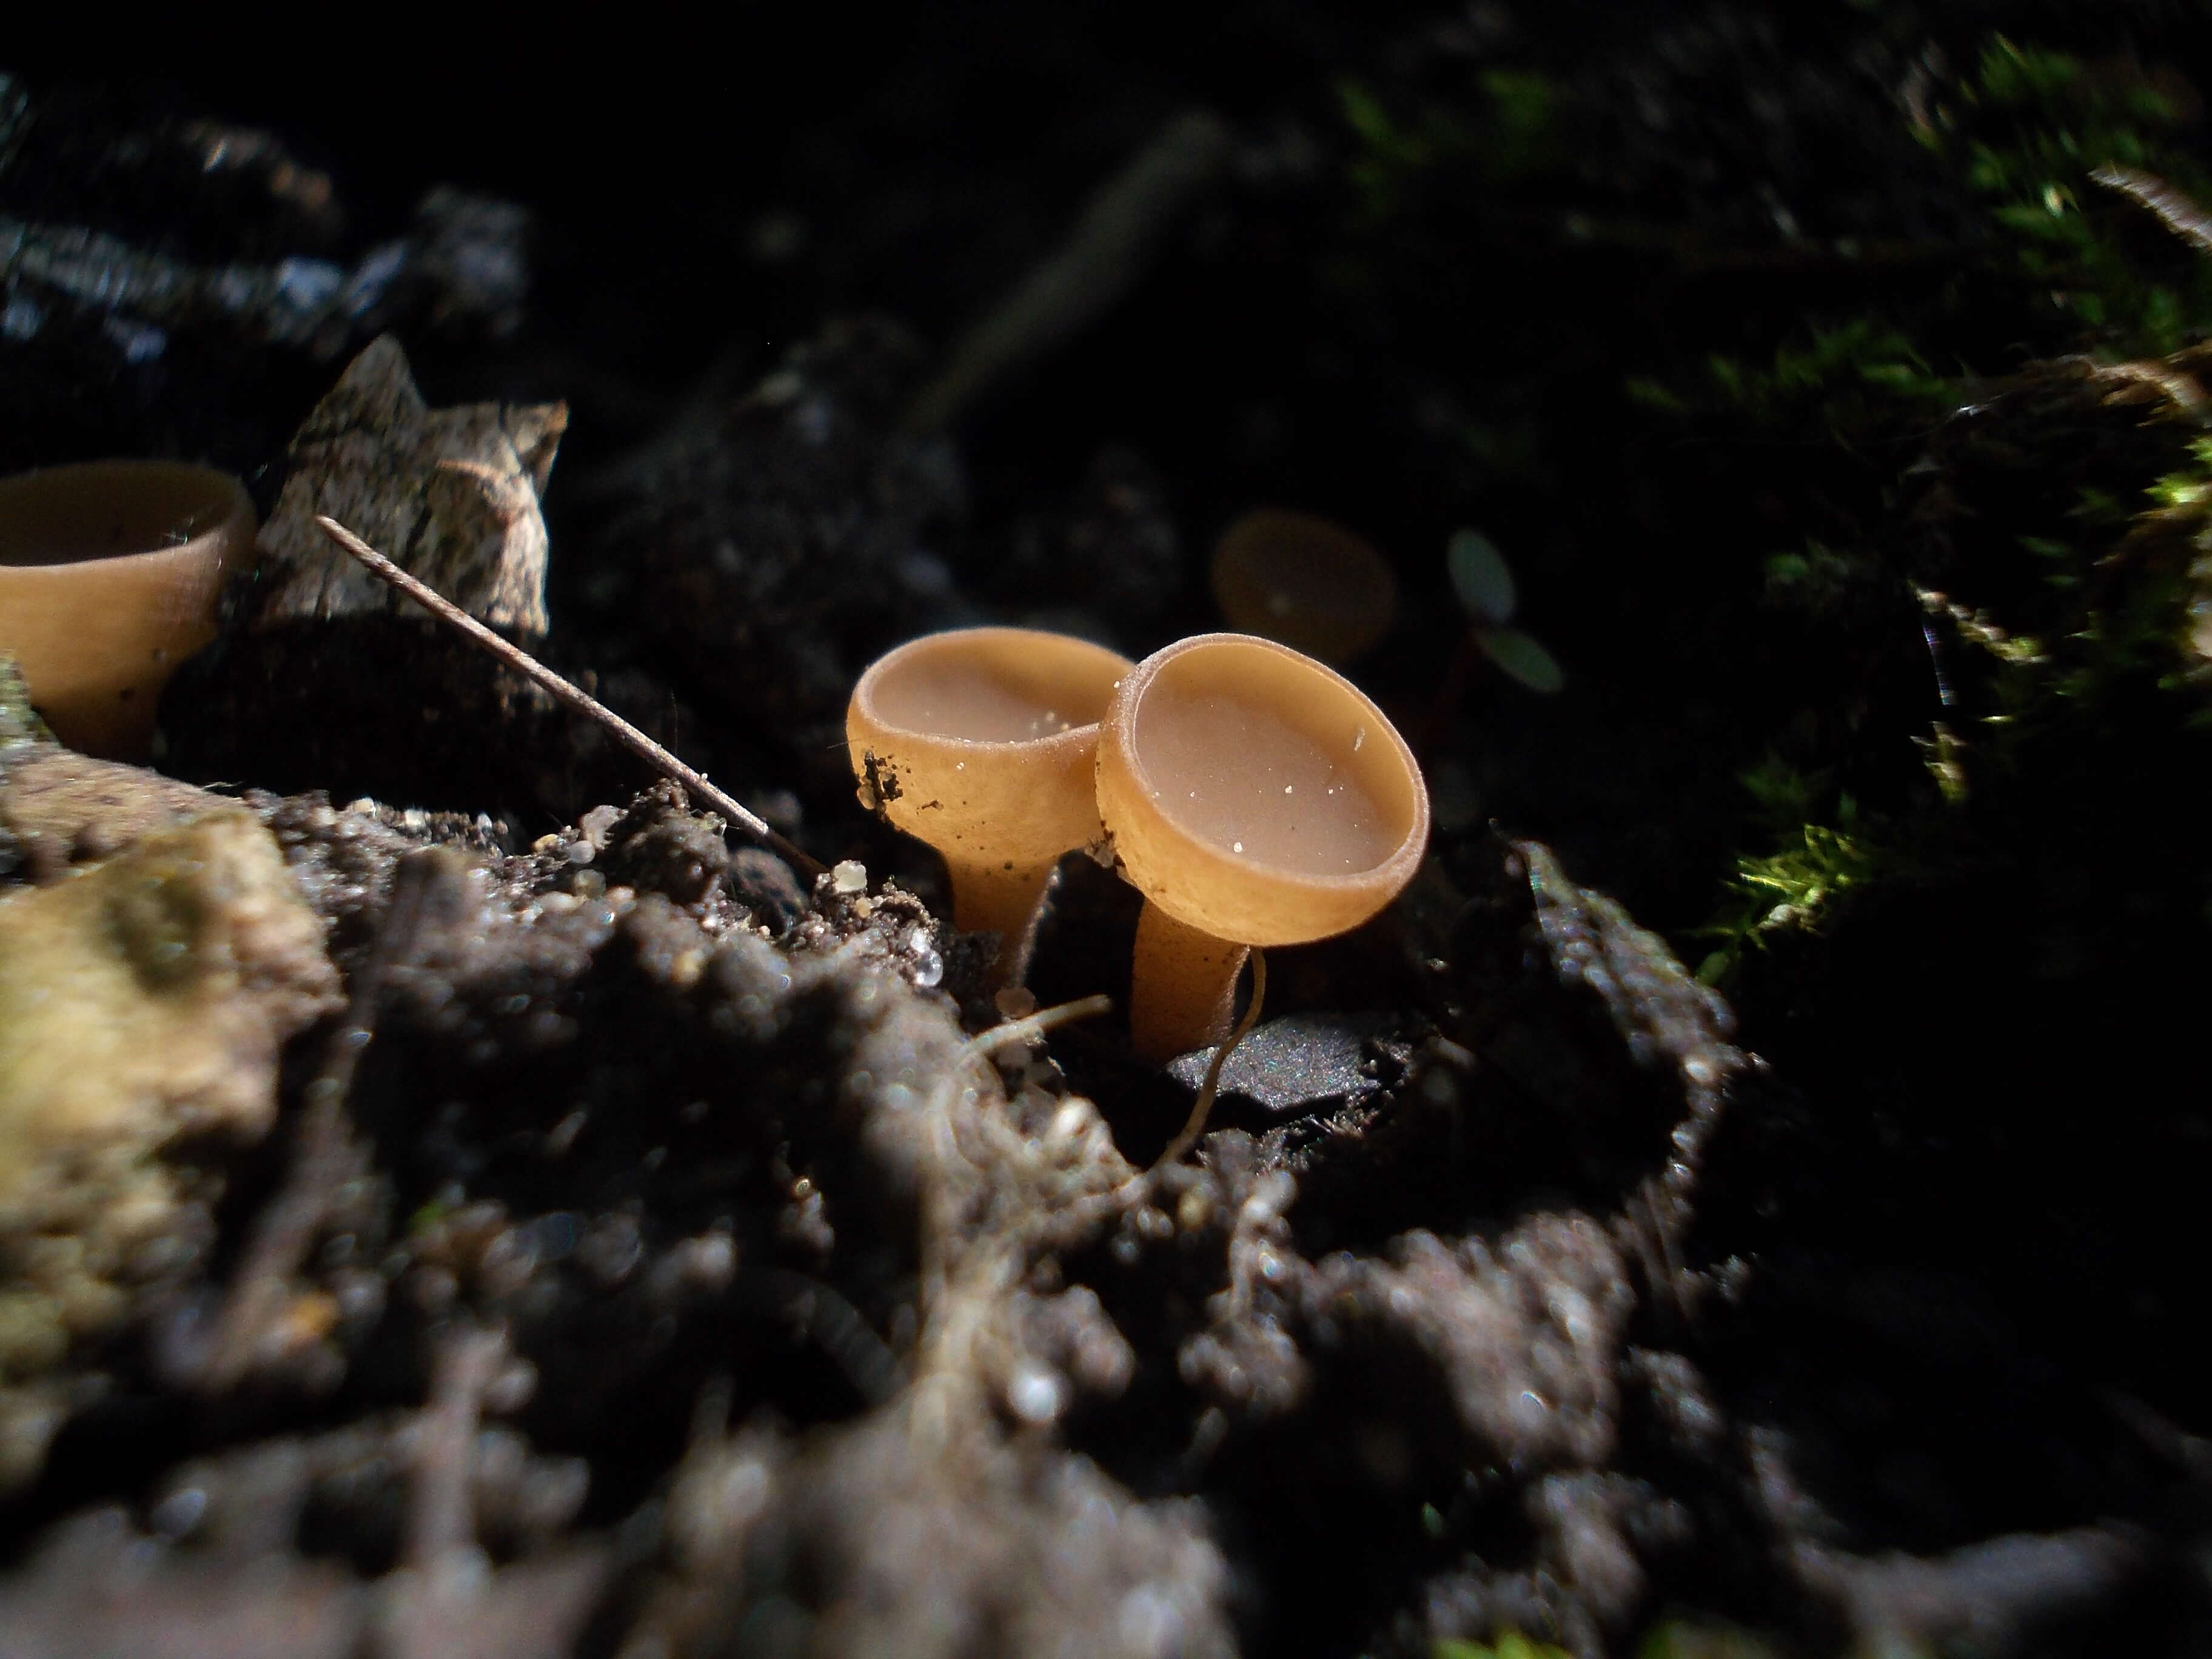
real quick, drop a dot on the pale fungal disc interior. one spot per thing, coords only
(1240, 776)
(99, 509)
(981, 702)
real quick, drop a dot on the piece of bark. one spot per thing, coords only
(451, 494)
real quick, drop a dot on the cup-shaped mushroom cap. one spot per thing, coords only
(1303, 580)
(109, 575)
(980, 741)
(1256, 795)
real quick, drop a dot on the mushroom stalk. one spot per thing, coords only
(990, 898)
(1183, 986)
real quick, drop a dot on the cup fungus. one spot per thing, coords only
(1305, 581)
(109, 574)
(1255, 797)
(980, 742)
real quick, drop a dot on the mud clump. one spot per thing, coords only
(781, 544)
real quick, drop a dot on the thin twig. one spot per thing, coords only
(1122, 229)
(582, 702)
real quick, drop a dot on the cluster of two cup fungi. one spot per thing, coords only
(1254, 796)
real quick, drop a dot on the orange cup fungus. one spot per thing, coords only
(980, 742)
(1304, 582)
(1256, 797)
(109, 575)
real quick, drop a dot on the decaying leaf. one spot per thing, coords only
(449, 494)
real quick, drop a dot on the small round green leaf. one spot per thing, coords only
(1522, 658)
(1480, 576)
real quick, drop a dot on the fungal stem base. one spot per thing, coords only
(1182, 988)
(1195, 1126)
(988, 897)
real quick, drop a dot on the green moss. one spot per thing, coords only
(2177, 609)
(1513, 132)
(1796, 887)
(2095, 641)
(1996, 628)
(1511, 1645)
(1700, 1637)
(2020, 135)
(1847, 371)
(2030, 126)
(1391, 157)
(1844, 376)
(1524, 135)
(1818, 579)
(2075, 672)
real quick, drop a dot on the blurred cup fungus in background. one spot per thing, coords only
(109, 575)
(1304, 582)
